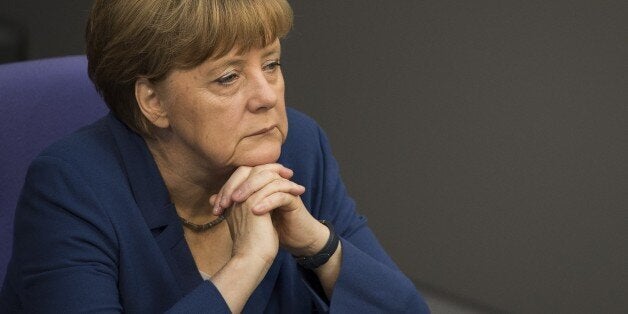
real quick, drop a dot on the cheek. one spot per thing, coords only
(283, 125)
(220, 133)
(282, 119)
(216, 117)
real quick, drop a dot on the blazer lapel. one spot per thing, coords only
(178, 254)
(153, 200)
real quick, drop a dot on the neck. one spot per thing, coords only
(189, 182)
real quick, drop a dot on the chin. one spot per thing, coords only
(260, 149)
(260, 160)
(263, 155)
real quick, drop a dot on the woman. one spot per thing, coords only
(192, 196)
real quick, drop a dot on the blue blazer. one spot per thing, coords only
(95, 231)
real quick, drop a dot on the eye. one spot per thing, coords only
(227, 79)
(272, 65)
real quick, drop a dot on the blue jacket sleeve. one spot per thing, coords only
(67, 249)
(205, 296)
(369, 281)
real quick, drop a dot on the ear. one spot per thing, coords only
(150, 104)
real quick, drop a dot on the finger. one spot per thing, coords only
(257, 201)
(232, 191)
(254, 183)
(280, 169)
(274, 201)
(216, 205)
(276, 185)
(286, 173)
(217, 209)
(238, 176)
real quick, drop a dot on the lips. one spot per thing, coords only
(264, 130)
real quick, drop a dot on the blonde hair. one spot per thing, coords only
(131, 39)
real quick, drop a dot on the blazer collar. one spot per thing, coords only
(147, 185)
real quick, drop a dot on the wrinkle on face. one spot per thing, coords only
(213, 122)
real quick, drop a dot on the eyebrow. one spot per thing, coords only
(230, 62)
(240, 60)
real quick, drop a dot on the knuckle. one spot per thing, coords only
(284, 198)
(271, 174)
(277, 182)
(277, 185)
(257, 169)
(268, 203)
(245, 187)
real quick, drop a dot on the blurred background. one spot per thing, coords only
(486, 141)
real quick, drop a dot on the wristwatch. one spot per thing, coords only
(320, 258)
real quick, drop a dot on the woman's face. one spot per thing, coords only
(228, 112)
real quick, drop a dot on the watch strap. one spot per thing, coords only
(320, 258)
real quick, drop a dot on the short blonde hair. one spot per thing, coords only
(131, 39)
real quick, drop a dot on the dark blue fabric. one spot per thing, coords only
(40, 101)
(96, 232)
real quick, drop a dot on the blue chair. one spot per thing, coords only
(40, 101)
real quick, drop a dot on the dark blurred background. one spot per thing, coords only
(486, 141)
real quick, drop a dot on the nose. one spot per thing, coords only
(263, 93)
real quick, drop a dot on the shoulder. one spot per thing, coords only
(306, 138)
(301, 125)
(308, 153)
(88, 144)
(306, 145)
(89, 156)
(80, 178)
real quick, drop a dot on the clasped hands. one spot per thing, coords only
(264, 210)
